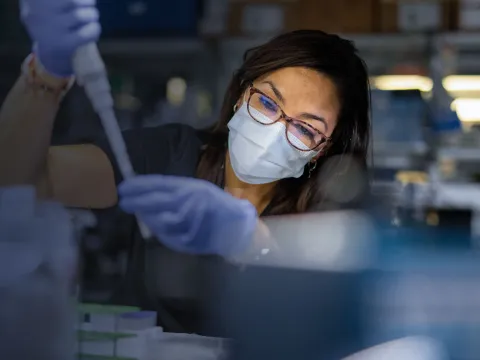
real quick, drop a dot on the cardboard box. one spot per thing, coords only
(336, 16)
(258, 17)
(414, 15)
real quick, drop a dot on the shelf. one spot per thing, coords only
(389, 42)
(455, 195)
(417, 148)
(129, 47)
(365, 42)
(381, 52)
(397, 162)
(461, 40)
(160, 47)
(459, 154)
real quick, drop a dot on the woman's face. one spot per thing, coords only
(303, 94)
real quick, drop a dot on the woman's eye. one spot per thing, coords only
(268, 104)
(304, 130)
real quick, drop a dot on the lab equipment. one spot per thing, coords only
(58, 28)
(333, 298)
(64, 34)
(38, 258)
(114, 331)
(190, 215)
(91, 74)
(399, 119)
(446, 124)
(126, 332)
(304, 305)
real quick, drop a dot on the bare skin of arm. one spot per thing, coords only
(77, 176)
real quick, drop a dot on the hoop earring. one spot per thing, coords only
(235, 107)
(311, 168)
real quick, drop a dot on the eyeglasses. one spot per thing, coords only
(301, 135)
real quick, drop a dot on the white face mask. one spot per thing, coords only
(261, 154)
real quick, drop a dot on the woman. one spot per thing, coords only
(296, 102)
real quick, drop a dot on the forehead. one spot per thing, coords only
(303, 91)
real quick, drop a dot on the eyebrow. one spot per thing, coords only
(315, 117)
(277, 92)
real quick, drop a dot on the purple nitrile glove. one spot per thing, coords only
(190, 215)
(58, 28)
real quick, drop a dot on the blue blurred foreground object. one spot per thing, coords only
(190, 215)
(37, 272)
(307, 305)
(58, 28)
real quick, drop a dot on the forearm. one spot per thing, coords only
(26, 122)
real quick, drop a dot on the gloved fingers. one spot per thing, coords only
(148, 183)
(78, 18)
(195, 209)
(187, 217)
(88, 33)
(151, 202)
(25, 9)
(140, 184)
(63, 23)
(182, 222)
(167, 230)
(76, 4)
(54, 6)
(168, 223)
(85, 35)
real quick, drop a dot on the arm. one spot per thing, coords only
(26, 122)
(77, 176)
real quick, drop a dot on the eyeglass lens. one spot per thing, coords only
(299, 134)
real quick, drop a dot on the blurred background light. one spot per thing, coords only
(402, 82)
(456, 83)
(468, 109)
(176, 90)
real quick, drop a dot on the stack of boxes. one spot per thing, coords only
(352, 16)
(114, 332)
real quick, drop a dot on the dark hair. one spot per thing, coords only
(328, 54)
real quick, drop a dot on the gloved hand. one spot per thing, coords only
(190, 215)
(58, 28)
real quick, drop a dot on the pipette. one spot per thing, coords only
(92, 75)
